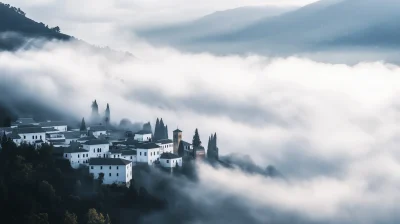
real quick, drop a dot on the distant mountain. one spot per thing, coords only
(321, 26)
(213, 24)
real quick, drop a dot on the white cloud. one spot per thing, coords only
(332, 129)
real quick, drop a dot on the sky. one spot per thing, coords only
(331, 129)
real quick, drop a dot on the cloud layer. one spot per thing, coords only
(330, 128)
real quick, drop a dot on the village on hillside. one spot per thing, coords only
(109, 152)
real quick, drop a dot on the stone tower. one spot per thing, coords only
(177, 139)
(107, 114)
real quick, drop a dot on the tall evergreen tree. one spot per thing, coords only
(95, 112)
(161, 130)
(196, 139)
(157, 130)
(166, 132)
(181, 150)
(83, 125)
(107, 114)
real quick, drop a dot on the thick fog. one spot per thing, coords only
(331, 129)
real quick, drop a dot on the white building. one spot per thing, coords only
(76, 156)
(187, 147)
(143, 136)
(31, 135)
(58, 125)
(85, 139)
(169, 160)
(166, 145)
(55, 138)
(15, 138)
(72, 136)
(98, 130)
(118, 171)
(97, 148)
(148, 153)
(127, 154)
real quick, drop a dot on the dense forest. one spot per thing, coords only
(36, 187)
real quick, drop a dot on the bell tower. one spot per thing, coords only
(177, 137)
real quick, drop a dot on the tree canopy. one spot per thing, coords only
(196, 139)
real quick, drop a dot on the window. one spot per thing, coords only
(140, 153)
(24, 137)
(145, 154)
(40, 137)
(131, 157)
(158, 153)
(78, 155)
(100, 149)
(117, 167)
(66, 155)
(93, 150)
(91, 167)
(101, 167)
(110, 167)
(33, 137)
(167, 161)
(114, 156)
(87, 155)
(109, 174)
(117, 174)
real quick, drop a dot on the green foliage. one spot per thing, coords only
(70, 218)
(94, 217)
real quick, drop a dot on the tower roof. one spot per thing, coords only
(177, 130)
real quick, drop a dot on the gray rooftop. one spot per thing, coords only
(52, 123)
(150, 145)
(30, 130)
(169, 156)
(108, 162)
(164, 141)
(143, 132)
(96, 142)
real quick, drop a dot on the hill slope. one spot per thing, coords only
(212, 24)
(13, 21)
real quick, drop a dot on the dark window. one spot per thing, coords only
(140, 153)
(167, 161)
(109, 174)
(40, 137)
(145, 154)
(87, 155)
(78, 155)
(93, 150)
(117, 167)
(91, 167)
(24, 137)
(117, 174)
(114, 156)
(101, 167)
(33, 137)
(131, 157)
(110, 167)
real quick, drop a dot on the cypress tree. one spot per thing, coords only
(181, 151)
(156, 130)
(166, 132)
(161, 130)
(196, 139)
(83, 125)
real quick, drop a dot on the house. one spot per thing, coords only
(85, 139)
(97, 148)
(169, 160)
(129, 155)
(97, 130)
(72, 136)
(143, 136)
(31, 135)
(76, 156)
(166, 145)
(187, 147)
(118, 171)
(55, 138)
(23, 121)
(148, 153)
(15, 138)
(58, 125)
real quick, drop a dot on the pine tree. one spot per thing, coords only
(166, 132)
(83, 125)
(196, 139)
